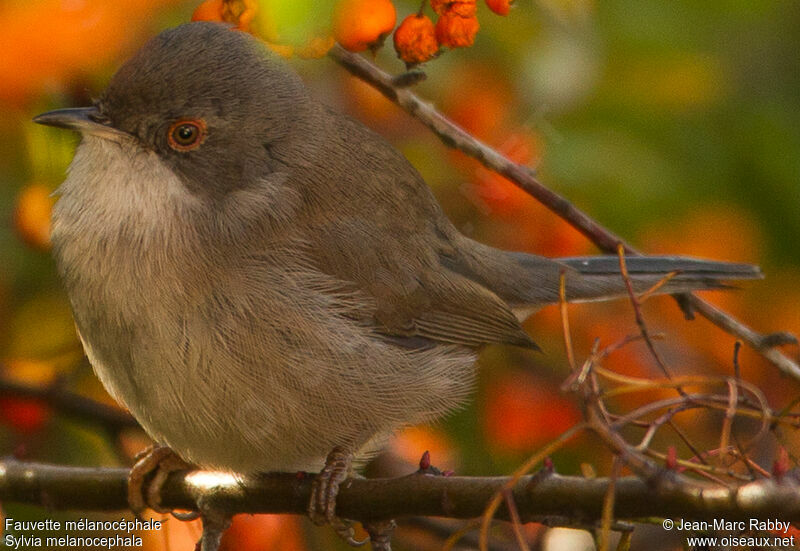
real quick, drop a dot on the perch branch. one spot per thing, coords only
(536, 497)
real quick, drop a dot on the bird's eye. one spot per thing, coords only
(185, 135)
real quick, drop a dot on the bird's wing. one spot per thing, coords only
(371, 221)
(412, 294)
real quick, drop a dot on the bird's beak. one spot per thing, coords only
(86, 120)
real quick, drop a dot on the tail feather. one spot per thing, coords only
(687, 267)
(600, 277)
(527, 282)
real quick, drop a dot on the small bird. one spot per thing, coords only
(261, 280)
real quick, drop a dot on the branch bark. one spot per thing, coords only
(455, 137)
(537, 497)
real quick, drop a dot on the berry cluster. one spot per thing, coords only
(418, 39)
(360, 25)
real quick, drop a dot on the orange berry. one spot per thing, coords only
(32, 216)
(500, 7)
(455, 31)
(362, 24)
(464, 8)
(415, 39)
(210, 10)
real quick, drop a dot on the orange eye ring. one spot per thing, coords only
(186, 134)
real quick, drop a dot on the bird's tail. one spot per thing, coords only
(600, 277)
(527, 282)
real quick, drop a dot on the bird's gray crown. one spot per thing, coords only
(246, 97)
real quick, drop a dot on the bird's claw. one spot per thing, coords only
(325, 488)
(147, 477)
(344, 529)
(380, 534)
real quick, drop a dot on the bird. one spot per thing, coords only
(269, 285)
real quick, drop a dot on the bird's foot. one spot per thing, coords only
(325, 488)
(380, 534)
(215, 524)
(151, 468)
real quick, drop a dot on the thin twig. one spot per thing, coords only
(659, 284)
(685, 439)
(625, 541)
(516, 523)
(613, 347)
(708, 471)
(608, 505)
(562, 303)
(755, 468)
(494, 504)
(727, 422)
(637, 312)
(665, 418)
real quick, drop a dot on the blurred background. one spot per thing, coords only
(675, 124)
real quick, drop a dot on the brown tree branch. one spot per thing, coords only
(457, 138)
(537, 497)
(70, 404)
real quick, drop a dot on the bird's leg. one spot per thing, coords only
(380, 534)
(151, 468)
(325, 488)
(215, 523)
